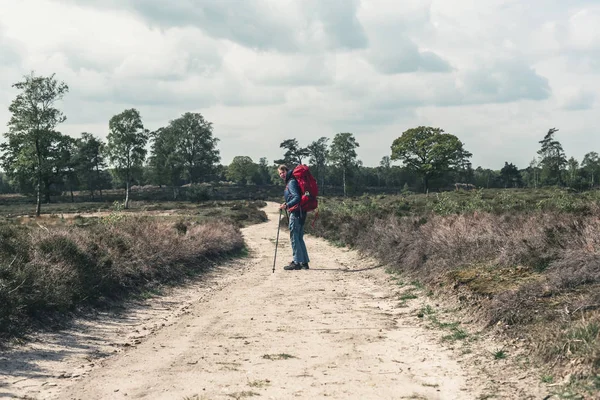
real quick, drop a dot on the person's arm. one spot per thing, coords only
(295, 193)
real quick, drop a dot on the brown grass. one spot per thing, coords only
(536, 274)
(45, 271)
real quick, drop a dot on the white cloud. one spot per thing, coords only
(276, 69)
(578, 99)
(584, 31)
(498, 73)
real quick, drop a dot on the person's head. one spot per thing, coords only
(283, 170)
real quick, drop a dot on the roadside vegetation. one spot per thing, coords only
(526, 263)
(52, 267)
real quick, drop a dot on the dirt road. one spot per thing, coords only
(341, 330)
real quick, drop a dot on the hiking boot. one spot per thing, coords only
(292, 266)
(303, 265)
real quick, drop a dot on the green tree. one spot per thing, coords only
(31, 130)
(573, 172)
(591, 166)
(429, 152)
(242, 170)
(510, 175)
(264, 172)
(5, 186)
(343, 154)
(464, 172)
(294, 153)
(166, 163)
(65, 163)
(553, 159)
(384, 170)
(89, 162)
(319, 156)
(126, 147)
(196, 146)
(534, 172)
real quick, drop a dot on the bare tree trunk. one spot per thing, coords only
(97, 182)
(344, 180)
(38, 207)
(127, 191)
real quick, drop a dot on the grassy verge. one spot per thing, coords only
(48, 270)
(531, 274)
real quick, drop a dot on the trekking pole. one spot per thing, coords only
(277, 241)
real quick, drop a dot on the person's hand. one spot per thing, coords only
(283, 206)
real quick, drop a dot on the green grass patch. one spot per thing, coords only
(408, 296)
(499, 354)
(457, 334)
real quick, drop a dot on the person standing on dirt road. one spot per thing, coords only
(297, 218)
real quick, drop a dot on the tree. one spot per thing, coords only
(294, 153)
(343, 153)
(553, 159)
(464, 172)
(264, 173)
(31, 128)
(384, 170)
(126, 150)
(429, 152)
(196, 146)
(5, 186)
(56, 157)
(65, 160)
(591, 166)
(573, 172)
(242, 170)
(166, 162)
(89, 161)
(510, 175)
(534, 171)
(319, 156)
(484, 177)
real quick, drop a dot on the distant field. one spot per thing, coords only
(141, 198)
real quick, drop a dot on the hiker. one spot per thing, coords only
(296, 220)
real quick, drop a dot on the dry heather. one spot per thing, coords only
(536, 274)
(47, 272)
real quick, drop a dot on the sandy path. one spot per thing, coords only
(336, 331)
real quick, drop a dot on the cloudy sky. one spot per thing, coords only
(496, 73)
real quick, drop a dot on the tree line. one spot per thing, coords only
(39, 160)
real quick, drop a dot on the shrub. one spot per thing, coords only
(198, 193)
(58, 269)
(532, 272)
